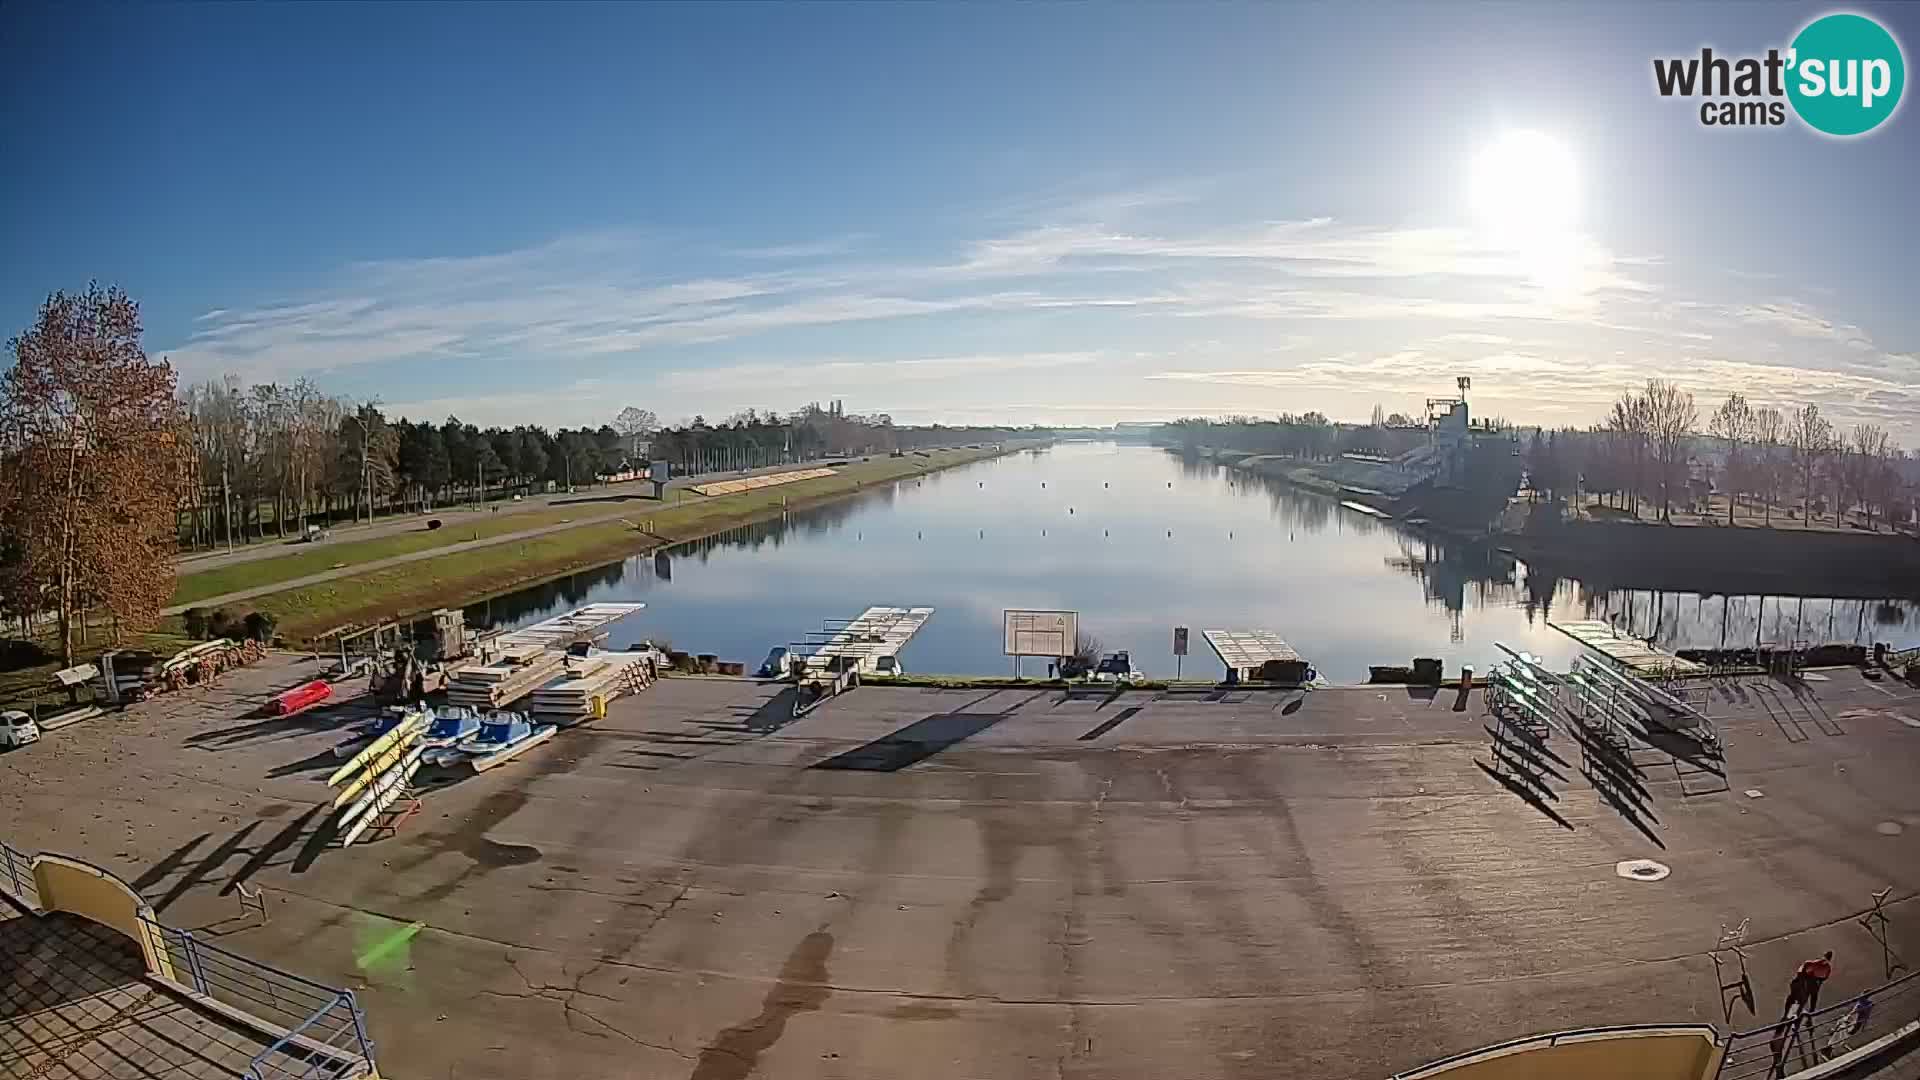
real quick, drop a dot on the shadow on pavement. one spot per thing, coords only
(227, 849)
(158, 872)
(914, 743)
(264, 854)
(1526, 793)
(1119, 718)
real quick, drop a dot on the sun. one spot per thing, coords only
(1524, 181)
(1525, 190)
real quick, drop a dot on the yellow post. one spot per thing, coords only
(599, 703)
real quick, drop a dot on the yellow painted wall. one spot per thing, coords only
(1685, 1053)
(88, 891)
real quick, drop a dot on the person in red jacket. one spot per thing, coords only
(1805, 988)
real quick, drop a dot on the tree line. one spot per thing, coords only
(1310, 435)
(280, 457)
(271, 458)
(753, 438)
(1651, 451)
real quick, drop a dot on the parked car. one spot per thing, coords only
(17, 729)
(1117, 667)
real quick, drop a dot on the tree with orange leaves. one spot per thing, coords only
(91, 462)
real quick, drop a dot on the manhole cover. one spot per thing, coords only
(1642, 870)
(1889, 828)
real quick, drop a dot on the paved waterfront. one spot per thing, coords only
(1008, 883)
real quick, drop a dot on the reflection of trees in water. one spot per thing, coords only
(1296, 509)
(1458, 574)
(1452, 572)
(566, 593)
(1194, 467)
(810, 521)
(548, 598)
(1695, 620)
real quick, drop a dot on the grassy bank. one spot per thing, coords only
(461, 524)
(462, 577)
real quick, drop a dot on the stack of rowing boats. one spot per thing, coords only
(605, 675)
(513, 674)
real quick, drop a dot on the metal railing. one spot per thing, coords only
(1807, 1039)
(1542, 1042)
(16, 876)
(327, 1032)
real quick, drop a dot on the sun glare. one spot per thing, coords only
(1525, 180)
(1526, 196)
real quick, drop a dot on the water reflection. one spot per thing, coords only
(548, 598)
(1139, 541)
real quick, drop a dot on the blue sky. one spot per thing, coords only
(1073, 213)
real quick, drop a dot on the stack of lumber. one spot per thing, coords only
(511, 676)
(569, 699)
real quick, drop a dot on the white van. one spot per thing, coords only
(17, 729)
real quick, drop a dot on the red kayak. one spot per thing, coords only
(301, 697)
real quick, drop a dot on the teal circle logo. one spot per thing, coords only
(1845, 74)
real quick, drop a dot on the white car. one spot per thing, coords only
(17, 729)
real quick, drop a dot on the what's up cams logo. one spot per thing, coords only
(1842, 75)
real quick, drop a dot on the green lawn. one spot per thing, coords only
(303, 559)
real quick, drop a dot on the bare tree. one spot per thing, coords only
(91, 464)
(1766, 434)
(218, 408)
(1871, 462)
(1087, 648)
(1630, 422)
(634, 424)
(368, 455)
(1809, 435)
(1733, 422)
(1671, 419)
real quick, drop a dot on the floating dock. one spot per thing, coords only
(1633, 655)
(585, 624)
(869, 643)
(1257, 655)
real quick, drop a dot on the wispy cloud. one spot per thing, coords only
(1309, 304)
(826, 377)
(1802, 320)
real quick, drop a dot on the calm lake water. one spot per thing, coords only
(1139, 541)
